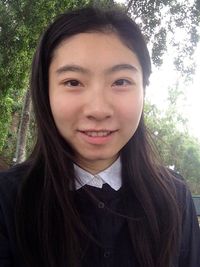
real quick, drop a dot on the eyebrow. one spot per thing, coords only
(72, 68)
(79, 69)
(121, 67)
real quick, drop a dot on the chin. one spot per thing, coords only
(99, 157)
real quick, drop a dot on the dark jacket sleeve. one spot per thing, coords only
(5, 251)
(9, 251)
(190, 242)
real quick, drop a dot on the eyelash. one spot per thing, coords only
(75, 83)
(70, 83)
(125, 82)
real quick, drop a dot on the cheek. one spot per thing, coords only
(57, 109)
(131, 111)
(60, 107)
(62, 116)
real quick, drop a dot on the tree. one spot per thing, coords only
(162, 22)
(23, 129)
(177, 149)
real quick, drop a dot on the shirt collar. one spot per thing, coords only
(111, 176)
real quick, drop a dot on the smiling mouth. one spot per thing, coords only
(97, 133)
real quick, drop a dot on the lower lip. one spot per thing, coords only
(96, 140)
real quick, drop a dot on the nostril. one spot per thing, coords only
(98, 116)
(98, 107)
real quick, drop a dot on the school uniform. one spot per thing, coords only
(100, 202)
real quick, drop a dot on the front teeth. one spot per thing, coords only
(96, 134)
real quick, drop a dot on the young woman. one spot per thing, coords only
(92, 192)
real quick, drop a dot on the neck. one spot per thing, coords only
(95, 166)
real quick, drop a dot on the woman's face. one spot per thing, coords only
(96, 96)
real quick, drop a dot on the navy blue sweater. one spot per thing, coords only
(113, 245)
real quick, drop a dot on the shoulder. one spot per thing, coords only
(10, 184)
(10, 181)
(184, 196)
(189, 252)
(178, 184)
(178, 188)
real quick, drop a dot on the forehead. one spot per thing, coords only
(93, 48)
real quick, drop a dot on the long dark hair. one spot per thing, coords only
(47, 222)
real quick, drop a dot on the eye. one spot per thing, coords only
(122, 82)
(72, 83)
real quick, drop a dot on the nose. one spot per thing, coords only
(98, 106)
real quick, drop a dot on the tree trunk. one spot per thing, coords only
(23, 129)
(3, 165)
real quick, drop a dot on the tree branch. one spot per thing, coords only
(129, 5)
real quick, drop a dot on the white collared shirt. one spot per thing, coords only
(111, 176)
